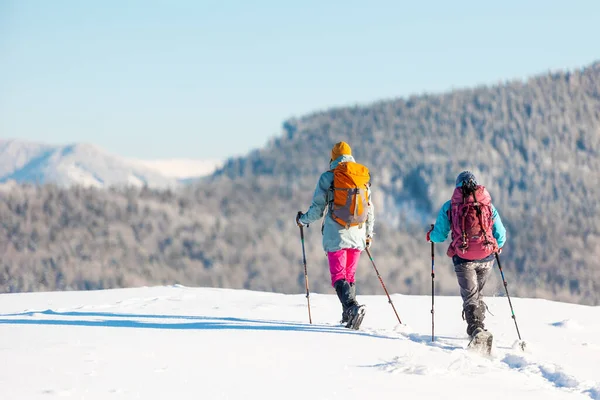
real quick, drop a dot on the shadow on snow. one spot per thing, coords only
(116, 320)
(194, 322)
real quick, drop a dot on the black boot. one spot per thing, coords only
(353, 292)
(474, 314)
(352, 306)
(347, 295)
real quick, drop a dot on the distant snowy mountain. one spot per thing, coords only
(182, 168)
(85, 164)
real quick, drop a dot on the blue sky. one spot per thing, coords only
(211, 79)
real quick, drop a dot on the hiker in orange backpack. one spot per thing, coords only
(477, 234)
(345, 191)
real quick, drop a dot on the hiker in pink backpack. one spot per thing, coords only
(477, 234)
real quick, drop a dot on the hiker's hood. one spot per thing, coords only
(340, 159)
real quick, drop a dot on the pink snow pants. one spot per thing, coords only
(342, 264)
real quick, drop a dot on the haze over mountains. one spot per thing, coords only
(89, 165)
(534, 144)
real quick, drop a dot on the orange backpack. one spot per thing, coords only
(350, 199)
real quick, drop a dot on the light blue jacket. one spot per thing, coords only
(335, 236)
(442, 226)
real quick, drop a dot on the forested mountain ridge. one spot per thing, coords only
(534, 144)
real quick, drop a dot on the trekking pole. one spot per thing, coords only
(381, 280)
(305, 273)
(522, 343)
(432, 291)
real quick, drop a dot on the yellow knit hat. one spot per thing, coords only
(340, 149)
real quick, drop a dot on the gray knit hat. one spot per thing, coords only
(465, 176)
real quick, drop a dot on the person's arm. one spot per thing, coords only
(441, 229)
(498, 229)
(319, 201)
(370, 214)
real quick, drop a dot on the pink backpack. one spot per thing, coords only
(471, 223)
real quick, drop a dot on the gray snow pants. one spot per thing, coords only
(472, 277)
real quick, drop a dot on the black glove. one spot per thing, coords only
(298, 222)
(369, 241)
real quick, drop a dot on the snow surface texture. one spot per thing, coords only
(200, 343)
(89, 165)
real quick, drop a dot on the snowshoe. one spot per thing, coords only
(357, 313)
(481, 341)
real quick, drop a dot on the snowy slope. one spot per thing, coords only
(201, 343)
(14, 155)
(88, 165)
(182, 168)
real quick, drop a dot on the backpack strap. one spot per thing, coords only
(323, 221)
(463, 228)
(329, 201)
(468, 188)
(486, 240)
